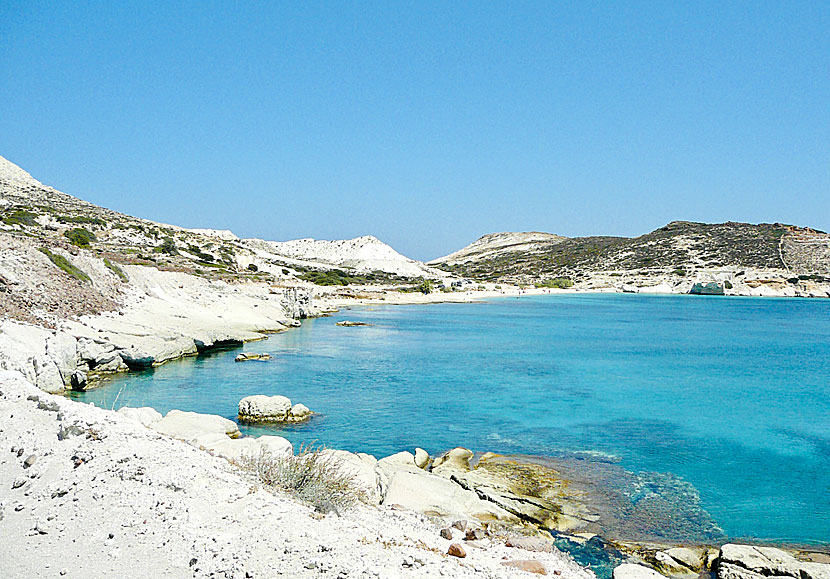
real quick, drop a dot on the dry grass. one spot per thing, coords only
(312, 476)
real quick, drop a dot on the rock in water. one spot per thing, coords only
(246, 356)
(711, 288)
(261, 408)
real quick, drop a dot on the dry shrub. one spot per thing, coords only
(311, 476)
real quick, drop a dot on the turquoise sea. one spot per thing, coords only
(715, 409)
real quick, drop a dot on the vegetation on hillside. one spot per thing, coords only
(65, 265)
(670, 249)
(79, 237)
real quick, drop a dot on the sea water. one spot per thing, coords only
(723, 403)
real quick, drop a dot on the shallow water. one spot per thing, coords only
(728, 398)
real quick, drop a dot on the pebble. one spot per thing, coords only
(457, 550)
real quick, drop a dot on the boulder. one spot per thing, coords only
(144, 415)
(399, 460)
(188, 426)
(421, 458)
(261, 408)
(136, 359)
(78, 380)
(300, 412)
(692, 559)
(457, 550)
(528, 565)
(455, 460)
(427, 493)
(711, 288)
(537, 544)
(275, 445)
(749, 562)
(632, 571)
(671, 566)
(362, 469)
(234, 449)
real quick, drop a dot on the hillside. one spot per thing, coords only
(55, 245)
(680, 250)
(495, 245)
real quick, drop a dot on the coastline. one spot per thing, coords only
(175, 318)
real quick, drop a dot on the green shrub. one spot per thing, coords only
(312, 476)
(252, 267)
(81, 219)
(557, 282)
(79, 236)
(116, 270)
(167, 246)
(679, 271)
(330, 277)
(197, 251)
(20, 217)
(425, 286)
(65, 265)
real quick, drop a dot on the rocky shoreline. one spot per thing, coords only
(70, 468)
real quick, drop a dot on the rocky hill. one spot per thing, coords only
(496, 245)
(61, 256)
(679, 251)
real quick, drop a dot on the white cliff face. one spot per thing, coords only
(495, 244)
(12, 174)
(363, 254)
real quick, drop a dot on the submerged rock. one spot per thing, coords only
(246, 356)
(351, 324)
(261, 408)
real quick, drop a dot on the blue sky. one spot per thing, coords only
(426, 124)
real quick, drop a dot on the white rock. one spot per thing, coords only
(264, 408)
(300, 412)
(275, 445)
(189, 425)
(685, 556)
(421, 458)
(398, 459)
(144, 415)
(456, 460)
(362, 469)
(632, 571)
(421, 491)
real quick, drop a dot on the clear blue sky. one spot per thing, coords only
(427, 125)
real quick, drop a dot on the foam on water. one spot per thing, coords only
(720, 402)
